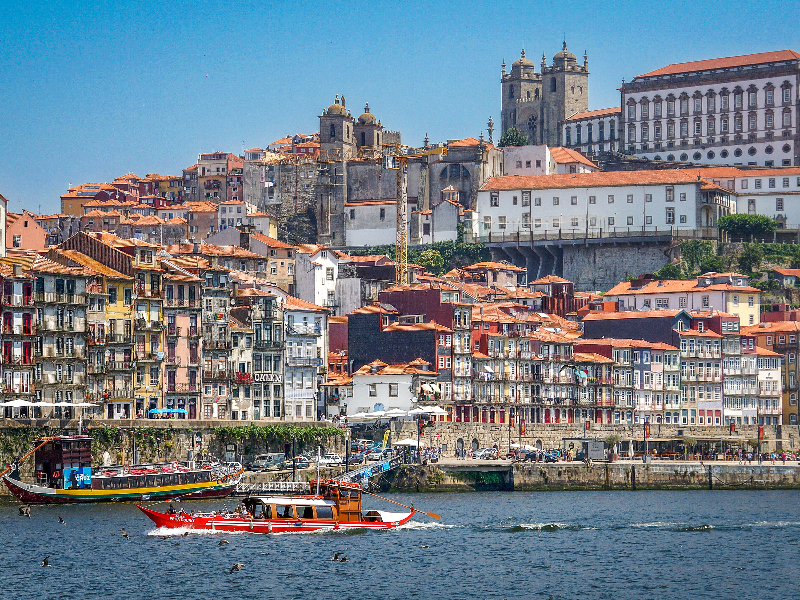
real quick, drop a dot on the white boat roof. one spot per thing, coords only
(297, 501)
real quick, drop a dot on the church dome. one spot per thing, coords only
(367, 118)
(336, 108)
(565, 54)
(522, 61)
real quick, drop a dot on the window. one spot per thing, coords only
(670, 194)
(778, 203)
(537, 201)
(487, 223)
(683, 218)
(329, 273)
(501, 222)
(683, 196)
(758, 184)
(526, 198)
(573, 200)
(555, 200)
(630, 220)
(610, 220)
(611, 198)
(592, 200)
(574, 221)
(537, 223)
(648, 197)
(383, 214)
(494, 200)
(373, 390)
(670, 216)
(514, 201)
(352, 213)
(393, 389)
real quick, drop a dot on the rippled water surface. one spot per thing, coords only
(616, 545)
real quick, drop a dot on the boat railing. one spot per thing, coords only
(364, 473)
(269, 487)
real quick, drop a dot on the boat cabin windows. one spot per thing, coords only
(305, 512)
(324, 512)
(284, 511)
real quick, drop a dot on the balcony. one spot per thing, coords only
(173, 361)
(299, 329)
(216, 374)
(303, 361)
(192, 361)
(149, 357)
(181, 302)
(183, 388)
(147, 292)
(118, 365)
(193, 331)
(145, 325)
(244, 377)
(211, 344)
(93, 369)
(12, 360)
(17, 300)
(173, 331)
(114, 393)
(17, 390)
(267, 344)
(119, 338)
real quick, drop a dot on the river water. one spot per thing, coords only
(559, 545)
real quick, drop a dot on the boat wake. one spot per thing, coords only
(180, 531)
(418, 525)
(543, 527)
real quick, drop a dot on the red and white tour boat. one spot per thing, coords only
(336, 505)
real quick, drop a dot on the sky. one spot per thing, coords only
(90, 91)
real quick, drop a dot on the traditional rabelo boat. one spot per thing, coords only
(64, 474)
(336, 505)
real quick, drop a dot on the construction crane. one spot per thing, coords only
(398, 160)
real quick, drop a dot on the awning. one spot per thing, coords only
(159, 411)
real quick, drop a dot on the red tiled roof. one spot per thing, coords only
(595, 113)
(565, 155)
(468, 143)
(725, 63)
(583, 180)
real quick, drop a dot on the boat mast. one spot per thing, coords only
(318, 459)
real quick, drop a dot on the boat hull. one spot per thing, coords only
(34, 494)
(247, 525)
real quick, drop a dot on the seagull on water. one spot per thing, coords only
(25, 511)
(336, 556)
(236, 567)
(46, 562)
(61, 521)
(125, 534)
(222, 542)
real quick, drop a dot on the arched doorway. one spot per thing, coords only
(538, 444)
(475, 444)
(460, 447)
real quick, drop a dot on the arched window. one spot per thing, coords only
(363, 139)
(536, 93)
(333, 131)
(511, 91)
(552, 85)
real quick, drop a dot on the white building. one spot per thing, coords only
(316, 273)
(372, 223)
(241, 404)
(232, 213)
(592, 131)
(306, 327)
(735, 110)
(595, 203)
(770, 387)
(541, 160)
(378, 386)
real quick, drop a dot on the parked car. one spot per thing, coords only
(487, 453)
(263, 462)
(356, 458)
(331, 460)
(518, 454)
(379, 454)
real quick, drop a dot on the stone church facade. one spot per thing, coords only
(537, 104)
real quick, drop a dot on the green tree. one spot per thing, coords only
(751, 257)
(743, 225)
(694, 252)
(669, 271)
(513, 137)
(712, 264)
(432, 261)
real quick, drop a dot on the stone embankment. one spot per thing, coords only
(468, 475)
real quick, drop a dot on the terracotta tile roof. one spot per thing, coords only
(371, 309)
(771, 327)
(725, 63)
(269, 241)
(87, 261)
(200, 206)
(695, 333)
(432, 326)
(551, 279)
(394, 369)
(487, 265)
(626, 343)
(601, 112)
(44, 265)
(675, 285)
(564, 155)
(189, 262)
(337, 320)
(590, 357)
(177, 221)
(583, 180)
(371, 258)
(788, 272)
(118, 242)
(468, 143)
(631, 314)
(297, 304)
(231, 202)
(764, 352)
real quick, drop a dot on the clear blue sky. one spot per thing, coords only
(93, 90)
